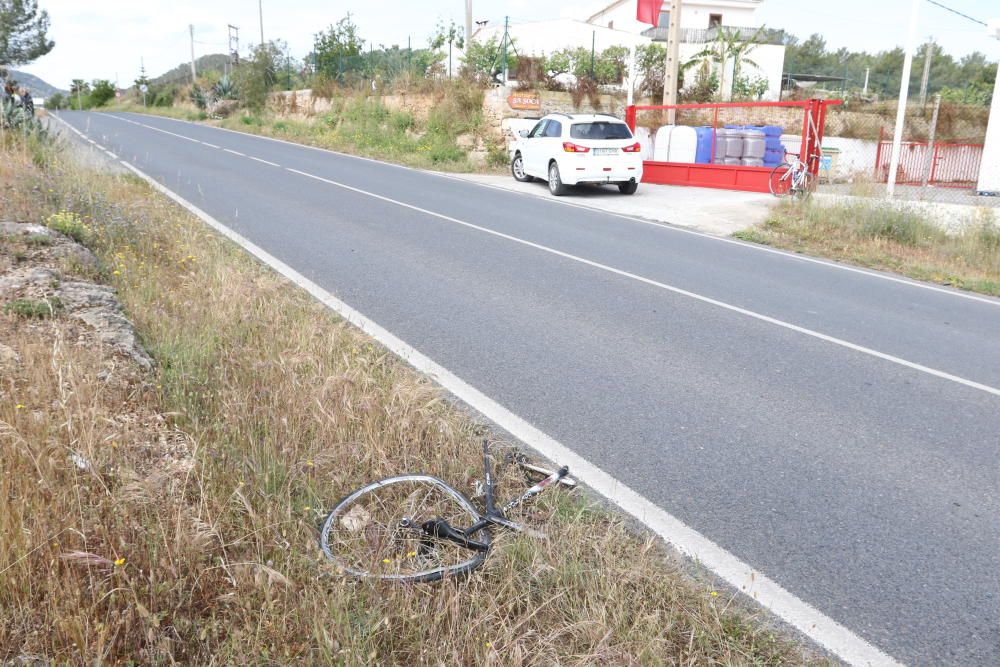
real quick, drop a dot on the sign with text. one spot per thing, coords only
(525, 101)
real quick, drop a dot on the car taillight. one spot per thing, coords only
(570, 147)
(634, 148)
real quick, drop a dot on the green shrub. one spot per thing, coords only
(402, 120)
(70, 224)
(896, 224)
(39, 240)
(33, 308)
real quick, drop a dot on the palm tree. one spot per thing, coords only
(729, 46)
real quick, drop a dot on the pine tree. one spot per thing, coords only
(23, 32)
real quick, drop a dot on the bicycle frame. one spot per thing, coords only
(493, 516)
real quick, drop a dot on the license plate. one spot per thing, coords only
(605, 151)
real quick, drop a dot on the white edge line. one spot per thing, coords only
(786, 606)
(654, 223)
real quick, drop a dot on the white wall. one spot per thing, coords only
(770, 59)
(545, 37)
(693, 14)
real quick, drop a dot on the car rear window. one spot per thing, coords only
(600, 129)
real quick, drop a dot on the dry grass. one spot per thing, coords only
(171, 516)
(890, 237)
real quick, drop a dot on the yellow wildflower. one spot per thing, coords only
(119, 562)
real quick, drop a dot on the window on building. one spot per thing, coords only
(664, 20)
(714, 20)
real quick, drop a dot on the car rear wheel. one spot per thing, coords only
(556, 186)
(517, 170)
(628, 187)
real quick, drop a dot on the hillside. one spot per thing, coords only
(182, 73)
(38, 87)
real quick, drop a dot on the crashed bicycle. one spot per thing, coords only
(418, 528)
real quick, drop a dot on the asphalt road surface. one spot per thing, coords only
(836, 430)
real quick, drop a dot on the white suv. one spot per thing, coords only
(566, 149)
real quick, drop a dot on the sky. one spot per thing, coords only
(108, 38)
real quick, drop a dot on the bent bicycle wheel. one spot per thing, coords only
(375, 533)
(780, 180)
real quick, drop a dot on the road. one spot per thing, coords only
(837, 430)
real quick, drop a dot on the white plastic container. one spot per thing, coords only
(645, 141)
(661, 143)
(683, 144)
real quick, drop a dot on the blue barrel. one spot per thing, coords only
(703, 151)
(774, 157)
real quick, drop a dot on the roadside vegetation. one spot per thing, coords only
(171, 515)
(446, 139)
(896, 238)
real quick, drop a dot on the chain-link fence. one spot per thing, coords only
(384, 65)
(938, 160)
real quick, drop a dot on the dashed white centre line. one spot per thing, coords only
(273, 164)
(230, 150)
(209, 145)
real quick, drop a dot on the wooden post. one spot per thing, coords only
(672, 69)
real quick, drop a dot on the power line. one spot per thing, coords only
(955, 11)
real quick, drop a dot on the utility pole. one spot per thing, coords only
(904, 90)
(672, 69)
(260, 11)
(928, 55)
(931, 135)
(506, 36)
(631, 76)
(593, 49)
(194, 74)
(468, 23)
(234, 46)
(867, 72)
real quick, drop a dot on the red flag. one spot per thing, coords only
(648, 11)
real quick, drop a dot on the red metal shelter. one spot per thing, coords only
(734, 177)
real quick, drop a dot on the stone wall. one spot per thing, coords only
(302, 103)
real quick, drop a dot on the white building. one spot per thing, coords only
(616, 25)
